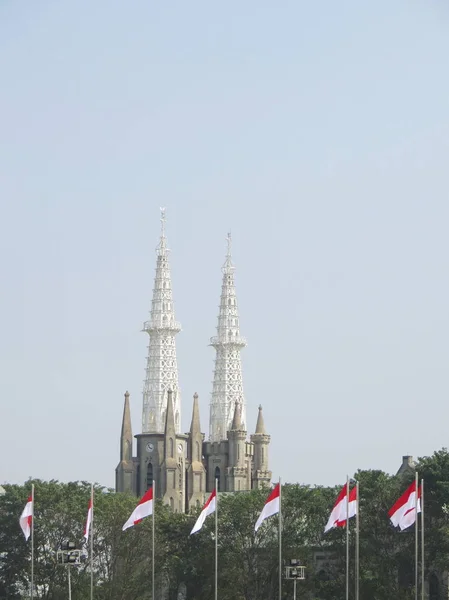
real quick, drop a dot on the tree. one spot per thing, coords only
(60, 514)
(248, 561)
(434, 470)
(14, 556)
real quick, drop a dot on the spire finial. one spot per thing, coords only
(162, 249)
(228, 266)
(162, 222)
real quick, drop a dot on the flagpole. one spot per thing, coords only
(152, 543)
(422, 539)
(32, 541)
(357, 543)
(280, 540)
(347, 537)
(416, 535)
(92, 542)
(216, 538)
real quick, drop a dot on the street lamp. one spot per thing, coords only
(68, 556)
(296, 572)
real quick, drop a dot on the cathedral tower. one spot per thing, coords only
(162, 368)
(229, 456)
(161, 447)
(228, 385)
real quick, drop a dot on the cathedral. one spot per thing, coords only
(183, 467)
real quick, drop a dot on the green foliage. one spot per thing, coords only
(435, 472)
(248, 562)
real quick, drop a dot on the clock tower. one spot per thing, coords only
(161, 459)
(170, 461)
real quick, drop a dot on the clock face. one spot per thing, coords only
(179, 448)
(150, 447)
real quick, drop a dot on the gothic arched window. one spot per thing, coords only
(217, 477)
(149, 475)
(172, 504)
(171, 446)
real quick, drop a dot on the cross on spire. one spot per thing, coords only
(228, 267)
(229, 242)
(162, 222)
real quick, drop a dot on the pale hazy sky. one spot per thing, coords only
(317, 132)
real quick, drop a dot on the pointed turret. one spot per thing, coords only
(162, 367)
(169, 433)
(260, 425)
(195, 426)
(237, 420)
(126, 438)
(196, 473)
(261, 442)
(238, 473)
(171, 484)
(125, 472)
(228, 385)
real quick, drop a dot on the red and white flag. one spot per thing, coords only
(403, 513)
(338, 516)
(26, 518)
(142, 510)
(271, 507)
(208, 509)
(89, 519)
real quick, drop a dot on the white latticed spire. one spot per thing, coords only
(228, 384)
(162, 367)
